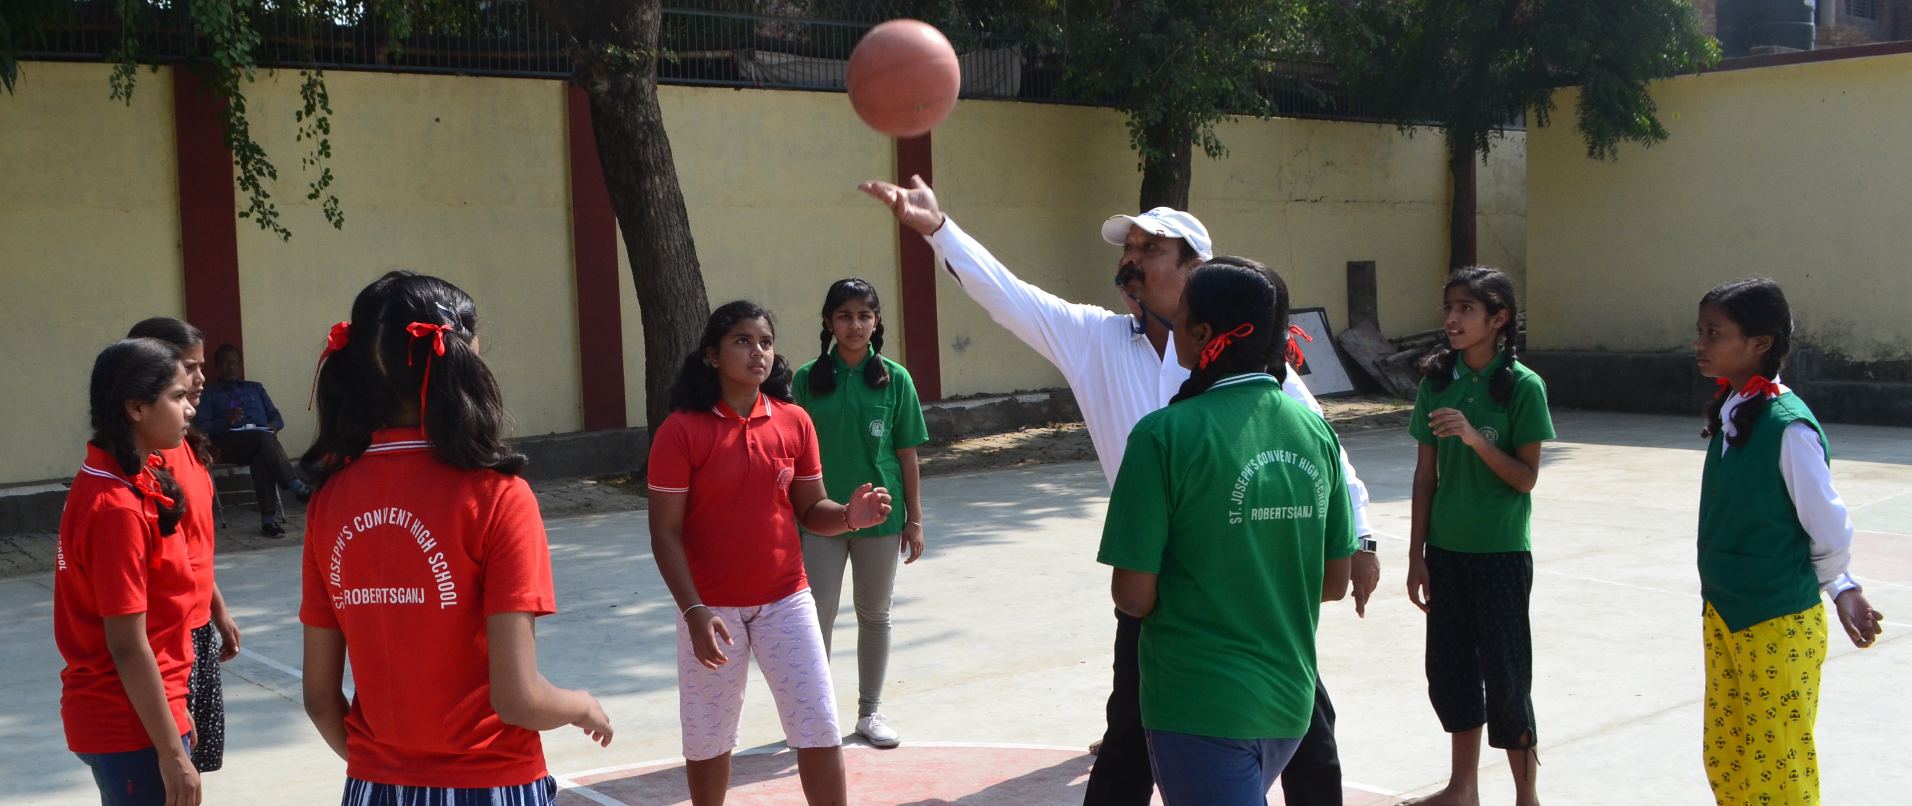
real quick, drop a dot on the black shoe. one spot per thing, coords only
(302, 491)
(273, 530)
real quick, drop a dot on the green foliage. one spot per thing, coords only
(1473, 65)
(1176, 67)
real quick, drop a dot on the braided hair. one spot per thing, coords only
(134, 369)
(1226, 294)
(1279, 368)
(1759, 308)
(1493, 289)
(823, 380)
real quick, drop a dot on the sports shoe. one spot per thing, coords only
(877, 732)
(301, 491)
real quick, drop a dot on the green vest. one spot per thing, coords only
(1755, 557)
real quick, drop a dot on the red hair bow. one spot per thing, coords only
(335, 340)
(148, 484)
(1295, 358)
(1215, 346)
(1756, 385)
(436, 333)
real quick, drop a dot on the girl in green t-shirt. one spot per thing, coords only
(1773, 534)
(869, 424)
(1229, 524)
(1480, 418)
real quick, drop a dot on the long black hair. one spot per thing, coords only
(183, 335)
(1494, 290)
(383, 369)
(134, 369)
(1759, 307)
(1279, 368)
(698, 388)
(823, 378)
(1225, 295)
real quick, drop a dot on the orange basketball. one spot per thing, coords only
(903, 78)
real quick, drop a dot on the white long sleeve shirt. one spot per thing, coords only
(1115, 374)
(1802, 462)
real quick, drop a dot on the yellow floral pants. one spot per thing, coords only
(1762, 698)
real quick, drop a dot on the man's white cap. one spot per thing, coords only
(1167, 222)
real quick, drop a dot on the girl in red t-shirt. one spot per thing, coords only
(123, 585)
(215, 634)
(426, 561)
(733, 470)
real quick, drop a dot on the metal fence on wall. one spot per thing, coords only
(710, 43)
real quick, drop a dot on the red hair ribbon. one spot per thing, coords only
(1215, 346)
(436, 333)
(335, 340)
(1295, 358)
(1755, 385)
(148, 484)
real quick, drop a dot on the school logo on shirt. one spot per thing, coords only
(784, 475)
(1239, 510)
(439, 585)
(876, 428)
(1491, 434)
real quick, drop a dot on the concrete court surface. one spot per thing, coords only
(1002, 647)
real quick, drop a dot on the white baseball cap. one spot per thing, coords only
(1167, 222)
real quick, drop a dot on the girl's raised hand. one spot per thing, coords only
(706, 628)
(1862, 623)
(1452, 423)
(869, 506)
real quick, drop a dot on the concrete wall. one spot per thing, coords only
(1799, 173)
(467, 178)
(89, 244)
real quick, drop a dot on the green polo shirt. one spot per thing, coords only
(1474, 511)
(859, 431)
(1235, 500)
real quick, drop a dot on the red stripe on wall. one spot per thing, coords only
(208, 240)
(594, 247)
(916, 263)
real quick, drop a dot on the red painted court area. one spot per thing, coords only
(906, 776)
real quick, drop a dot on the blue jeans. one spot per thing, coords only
(130, 778)
(1210, 771)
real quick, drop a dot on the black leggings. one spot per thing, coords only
(1480, 655)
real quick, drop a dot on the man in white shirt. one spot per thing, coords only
(1118, 368)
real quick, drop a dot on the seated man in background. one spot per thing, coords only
(244, 426)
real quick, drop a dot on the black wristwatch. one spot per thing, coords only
(1368, 545)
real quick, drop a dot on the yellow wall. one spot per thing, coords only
(463, 178)
(1799, 173)
(89, 244)
(770, 182)
(467, 178)
(1034, 183)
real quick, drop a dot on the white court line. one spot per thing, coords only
(567, 781)
(289, 671)
(587, 793)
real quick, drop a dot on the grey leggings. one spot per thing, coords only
(873, 562)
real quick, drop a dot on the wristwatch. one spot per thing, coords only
(1368, 545)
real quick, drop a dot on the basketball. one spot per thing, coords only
(903, 78)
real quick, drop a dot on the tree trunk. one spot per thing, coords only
(1462, 240)
(615, 47)
(1165, 178)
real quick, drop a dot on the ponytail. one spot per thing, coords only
(823, 379)
(1495, 292)
(1759, 307)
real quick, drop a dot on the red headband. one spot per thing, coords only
(335, 340)
(1295, 358)
(437, 333)
(1215, 346)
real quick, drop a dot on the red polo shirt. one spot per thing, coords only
(407, 556)
(739, 531)
(113, 561)
(196, 483)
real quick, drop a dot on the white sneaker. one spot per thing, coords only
(877, 732)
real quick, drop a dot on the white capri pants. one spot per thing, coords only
(788, 645)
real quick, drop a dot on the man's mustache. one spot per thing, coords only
(1129, 272)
